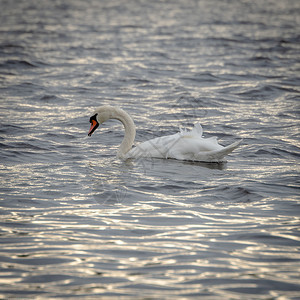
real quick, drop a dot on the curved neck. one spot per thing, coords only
(129, 136)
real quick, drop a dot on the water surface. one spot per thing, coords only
(78, 223)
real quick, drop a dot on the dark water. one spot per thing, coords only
(77, 222)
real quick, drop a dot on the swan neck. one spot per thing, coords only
(129, 136)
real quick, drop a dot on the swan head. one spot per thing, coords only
(101, 114)
(94, 124)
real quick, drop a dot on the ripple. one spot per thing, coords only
(17, 64)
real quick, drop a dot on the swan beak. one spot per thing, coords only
(94, 126)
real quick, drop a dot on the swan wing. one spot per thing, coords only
(157, 147)
(171, 146)
(197, 130)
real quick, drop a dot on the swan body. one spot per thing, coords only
(184, 145)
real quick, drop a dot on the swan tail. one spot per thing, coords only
(218, 155)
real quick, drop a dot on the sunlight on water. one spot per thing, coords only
(77, 222)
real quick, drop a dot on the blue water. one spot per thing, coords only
(76, 222)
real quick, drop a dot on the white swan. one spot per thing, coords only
(184, 145)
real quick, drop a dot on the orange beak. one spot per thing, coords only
(94, 126)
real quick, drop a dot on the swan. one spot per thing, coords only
(183, 145)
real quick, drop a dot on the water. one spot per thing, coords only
(78, 223)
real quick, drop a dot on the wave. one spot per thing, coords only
(238, 194)
(265, 92)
